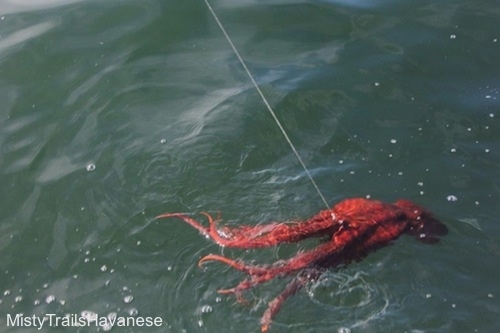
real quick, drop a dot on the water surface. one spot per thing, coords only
(113, 112)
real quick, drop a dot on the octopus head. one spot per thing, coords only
(421, 223)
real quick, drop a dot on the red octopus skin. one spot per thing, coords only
(355, 227)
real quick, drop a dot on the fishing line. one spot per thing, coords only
(266, 103)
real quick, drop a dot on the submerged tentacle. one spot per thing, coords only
(274, 306)
(290, 289)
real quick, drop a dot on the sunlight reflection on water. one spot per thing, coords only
(19, 6)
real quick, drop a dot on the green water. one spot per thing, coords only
(112, 112)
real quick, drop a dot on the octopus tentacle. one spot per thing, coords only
(333, 252)
(233, 263)
(275, 305)
(195, 224)
(262, 274)
(290, 289)
(270, 234)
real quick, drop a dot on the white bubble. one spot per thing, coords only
(104, 268)
(162, 141)
(89, 316)
(394, 141)
(453, 36)
(107, 326)
(451, 198)
(206, 309)
(128, 299)
(49, 299)
(90, 167)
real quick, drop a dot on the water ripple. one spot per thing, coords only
(351, 293)
(23, 35)
(20, 6)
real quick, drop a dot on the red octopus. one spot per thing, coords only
(354, 228)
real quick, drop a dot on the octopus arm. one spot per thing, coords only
(265, 235)
(261, 274)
